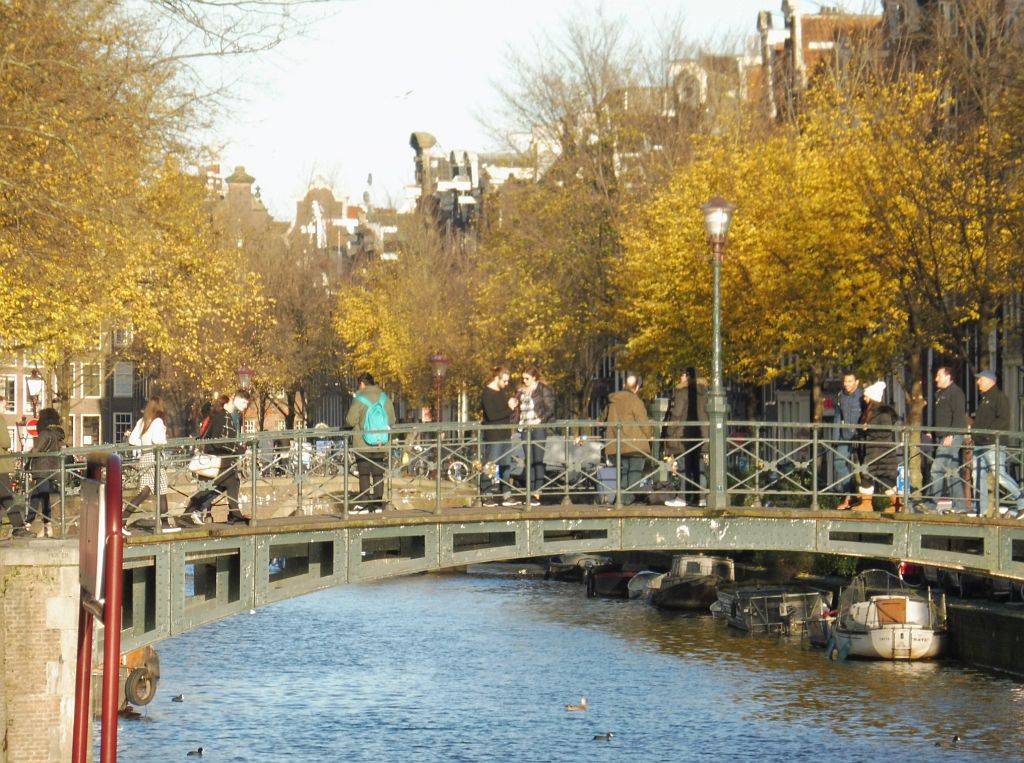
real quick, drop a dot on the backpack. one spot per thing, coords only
(375, 421)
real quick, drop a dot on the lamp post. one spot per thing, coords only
(717, 216)
(245, 375)
(34, 387)
(439, 363)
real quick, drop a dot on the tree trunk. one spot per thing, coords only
(915, 417)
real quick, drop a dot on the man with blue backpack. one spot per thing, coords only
(371, 416)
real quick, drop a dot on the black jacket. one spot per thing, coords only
(950, 411)
(993, 413)
(47, 445)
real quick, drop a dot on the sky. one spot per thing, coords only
(339, 102)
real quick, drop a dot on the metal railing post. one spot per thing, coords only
(63, 497)
(254, 468)
(618, 465)
(300, 471)
(345, 476)
(528, 460)
(437, 471)
(814, 467)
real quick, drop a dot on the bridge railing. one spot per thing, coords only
(431, 467)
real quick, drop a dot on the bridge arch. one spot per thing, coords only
(232, 570)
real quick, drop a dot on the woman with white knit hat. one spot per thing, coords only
(881, 454)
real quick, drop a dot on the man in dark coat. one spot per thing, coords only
(950, 419)
(990, 452)
(686, 436)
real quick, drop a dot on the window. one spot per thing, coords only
(90, 430)
(91, 386)
(122, 426)
(249, 426)
(8, 387)
(122, 338)
(70, 434)
(124, 377)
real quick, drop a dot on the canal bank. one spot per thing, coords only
(987, 634)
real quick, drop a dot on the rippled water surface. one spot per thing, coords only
(479, 668)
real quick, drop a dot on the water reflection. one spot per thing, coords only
(478, 668)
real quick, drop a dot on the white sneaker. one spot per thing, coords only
(534, 500)
(126, 532)
(357, 509)
(195, 517)
(676, 503)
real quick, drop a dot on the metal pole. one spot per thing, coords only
(83, 668)
(113, 585)
(716, 396)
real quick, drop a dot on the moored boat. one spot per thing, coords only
(640, 583)
(770, 607)
(881, 617)
(692, 582)
(571, 567)
(611, 580)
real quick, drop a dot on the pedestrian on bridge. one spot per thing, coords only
(44, 466)
(150, 431)
(880, 457)
(370, 441)
(6, 496)
(536, 407)
(950, 420)
(849, 408)
(496, 408)
(993, 414)
(686, 437)
(628, 435)
(225, 429)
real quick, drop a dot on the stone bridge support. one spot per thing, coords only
(39, 599)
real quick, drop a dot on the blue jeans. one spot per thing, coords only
(844, 467)
(985, 460)
(496, 453)
(946, 471)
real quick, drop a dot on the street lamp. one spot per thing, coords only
(245, 375)
(439, 363)
(717, 216)
(34, 386)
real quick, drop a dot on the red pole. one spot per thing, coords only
(83, 676)
(83, 668)
(112, 610)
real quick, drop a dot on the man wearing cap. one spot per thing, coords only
(993, 414)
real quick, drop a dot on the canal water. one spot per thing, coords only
(479, 667)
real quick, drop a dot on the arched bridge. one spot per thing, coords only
(175, 582)
(302, 490)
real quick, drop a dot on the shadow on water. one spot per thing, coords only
(474, 668)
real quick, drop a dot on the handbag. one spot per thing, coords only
(204, 465)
